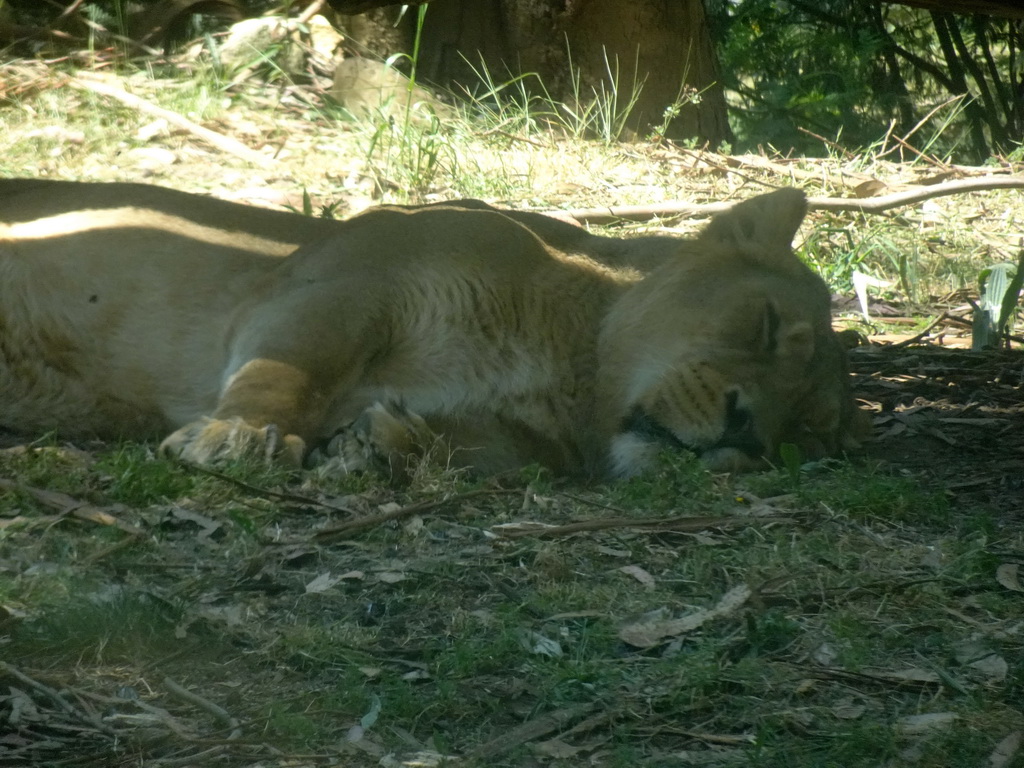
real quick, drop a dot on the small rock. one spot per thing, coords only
(150, 158)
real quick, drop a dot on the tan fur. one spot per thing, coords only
(131, 310)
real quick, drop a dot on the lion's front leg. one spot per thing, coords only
(214, 441)
(265, 413)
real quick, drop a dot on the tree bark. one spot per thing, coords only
(663, 46)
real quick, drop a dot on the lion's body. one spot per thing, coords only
(134, 311)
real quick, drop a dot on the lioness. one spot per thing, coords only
(132, 311)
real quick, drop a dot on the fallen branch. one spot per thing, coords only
(206, 705)
(313, 9)
(217, 140)
(915, 339)
(56, 698)
(68, 505)
(680, 210)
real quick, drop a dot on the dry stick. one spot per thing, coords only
(313, 9)
(921, 122)
(928, 159)
(849, 155)
(256, 490)
(206, 705)
(198, 758)
(861, 205)
(221, 142)
(59, 700)
(68, 505)
(165, 717)
(346, 529)
(922, 334)
(656, 524)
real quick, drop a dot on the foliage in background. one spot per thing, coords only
(1000, 288)
(853, 72)
(797, 71)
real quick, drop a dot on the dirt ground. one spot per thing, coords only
(952, 417)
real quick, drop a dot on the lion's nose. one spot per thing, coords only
(739, 429)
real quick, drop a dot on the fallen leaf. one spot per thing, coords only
(207, 526)
(20, 705)
(913, 725)
(232, 615)
(151, 130)
(644, 634)
(513, 738)
(371, 716)
(639, 574)
(1008, 575)
(979, 655)
(535, 642)
(421, 759)
(1006, 750)
(848, 710)
(557, 749)
(993, 665)
(321, 583)
(869, 188)
(825, 655)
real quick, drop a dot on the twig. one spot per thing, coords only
(312, 10)
(922, 334)
(681, 210)
(849, 155)
(206, 705)
(70, 506)
(507, 135)
(219, 141)
(256, 490)
(930, 160)
(657, 524)
(197, 758)
(165, 717)
(703, 158)
(350, 527)
(59, 700)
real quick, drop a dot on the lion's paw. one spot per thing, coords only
(214, 441)
(383, 439)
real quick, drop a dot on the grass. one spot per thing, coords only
(872, 595)
(460, 641)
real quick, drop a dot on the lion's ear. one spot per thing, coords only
(761, 227)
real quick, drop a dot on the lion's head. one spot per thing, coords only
(727, 350)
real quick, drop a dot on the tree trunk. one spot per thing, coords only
(663, 47)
